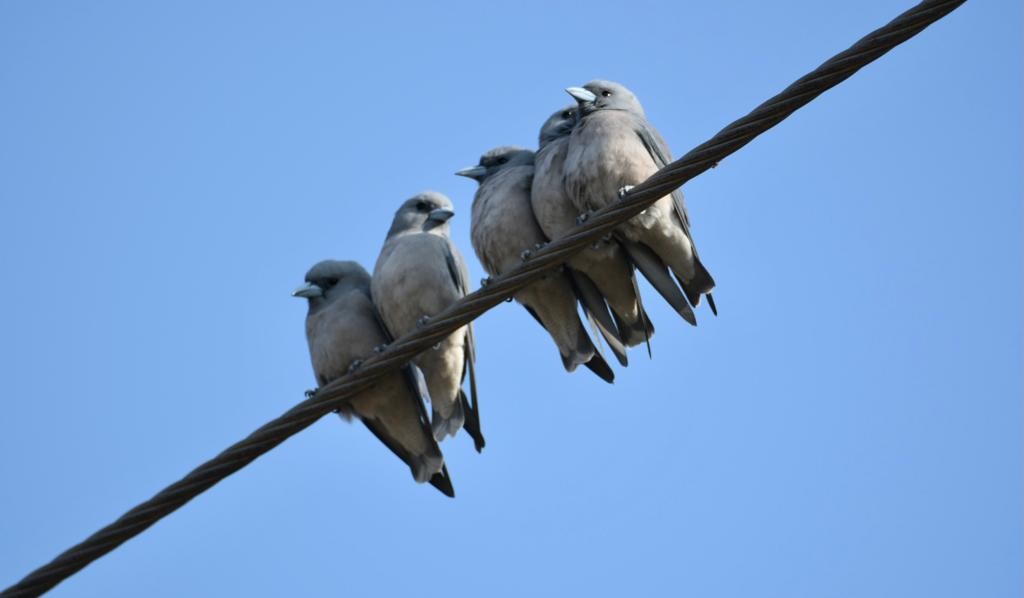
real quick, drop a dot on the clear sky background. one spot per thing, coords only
(849, 426)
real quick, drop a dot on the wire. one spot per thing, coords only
(332, 396)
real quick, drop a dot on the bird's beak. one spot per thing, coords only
(441, 215)
(308, 290)
(582, 96)
(472, 172)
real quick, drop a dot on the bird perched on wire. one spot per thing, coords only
(504, 232)
(613, 148)
(602, 265)
(419, 273)
(342, 328)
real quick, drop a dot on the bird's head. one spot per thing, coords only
(427, 211)
(559, 124)
(605, 95)
(495, 160)
(327, 278)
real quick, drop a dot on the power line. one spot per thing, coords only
(332, 396)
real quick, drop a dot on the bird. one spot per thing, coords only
(418, 274)
(604, 264)
(613, 148)
(343, 328)
(504, 232)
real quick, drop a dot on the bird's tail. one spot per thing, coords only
(472, 423)
(443, 427)
(587, 354)
(637, 331)
(443, 482)
(700, 284)
(596, 310)
(600, 367)
(657, 273)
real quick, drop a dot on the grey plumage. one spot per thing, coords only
(418, 274)
(615, 147)
(502, 228)
(342, 328)
(603, 264)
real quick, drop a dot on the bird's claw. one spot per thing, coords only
(525, 255)
(582, 218)
(310, 393)
(356, 364)
(485, 281)
(624, 190)
(422, 321)
(380, 348)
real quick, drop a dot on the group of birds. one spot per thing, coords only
(590, 154)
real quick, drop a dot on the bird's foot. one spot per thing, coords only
(484, 282)
(624, 190)
(582, 218)
(356, 364)
(420, 323)
(380, 348)
(525, 255)
(310, 393)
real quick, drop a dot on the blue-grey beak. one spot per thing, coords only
(441, 215)
(472, 172)
(308, 290)
(582, 96)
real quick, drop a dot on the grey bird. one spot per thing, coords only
(418, 274)
(342, 328)
(613, 148)
(604, 264)
(504, 231)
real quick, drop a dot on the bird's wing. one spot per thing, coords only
(659, 151)
(471, 405)
(662, 157)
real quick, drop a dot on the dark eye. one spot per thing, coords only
(606, 93)
(568, 114)
(422, 206)
(502, 160)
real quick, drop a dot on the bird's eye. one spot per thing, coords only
(422, 206)
(502, 160)
(567, 114)
(606, 93)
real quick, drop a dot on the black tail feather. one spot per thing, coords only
(599, 366)
(443, 482)
(472, 423)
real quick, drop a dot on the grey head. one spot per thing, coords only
(605, 95)
(427, 211)
(332, 278)
(497, 159)
(559, 125)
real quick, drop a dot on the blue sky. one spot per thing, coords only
(850, 425)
